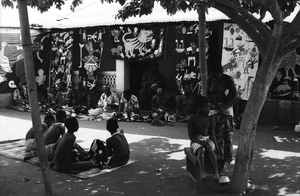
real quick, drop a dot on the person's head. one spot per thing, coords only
(61, 116)
(49, 119)
(62, 86)
(107, 90)
(216, 70)
(127, 94)
(112, 125)
(72, 124)
(187, 89)
(159, 91)
(203, 105)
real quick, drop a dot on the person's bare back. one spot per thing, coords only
(54, 132)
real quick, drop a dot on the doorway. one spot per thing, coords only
(136, 71)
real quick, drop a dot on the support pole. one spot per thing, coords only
(202, 48)
(32, 92)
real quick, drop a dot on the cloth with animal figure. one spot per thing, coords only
(286, 82)
(138, 42)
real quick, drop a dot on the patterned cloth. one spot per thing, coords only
(195, 145)
(64, 98)
(133, 103)
(105, 100)
(224, 127)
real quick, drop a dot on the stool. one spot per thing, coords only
(193, 170)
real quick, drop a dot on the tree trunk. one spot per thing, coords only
(32, 92)
(263, 80)
(202, 49)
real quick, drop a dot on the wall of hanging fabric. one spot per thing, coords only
(240, 58)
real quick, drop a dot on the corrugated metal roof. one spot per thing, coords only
(97, 14)
(94, 13)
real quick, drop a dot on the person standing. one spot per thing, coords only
(222, 94)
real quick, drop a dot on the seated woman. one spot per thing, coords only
(129, 105)
(108, 102)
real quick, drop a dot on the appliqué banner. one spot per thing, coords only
(143, 42)
(239, 59)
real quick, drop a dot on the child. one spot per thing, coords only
(64, 150)
(202, 136)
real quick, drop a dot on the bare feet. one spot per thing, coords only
(216, 177)
(202, 176)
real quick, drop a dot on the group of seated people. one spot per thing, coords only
(127, 108)
(69, 157)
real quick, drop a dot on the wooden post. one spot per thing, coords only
(202, 48)
(32, 92)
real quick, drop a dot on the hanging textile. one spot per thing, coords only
(285, 84)
(138, 42)
(11, 57)
(187, 53)
(239, 58)
(61, 61)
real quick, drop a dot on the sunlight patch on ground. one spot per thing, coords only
(86, 136)
(278, 154)
(285, 191)
(277, 175)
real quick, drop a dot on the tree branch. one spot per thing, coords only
(257, 30)
(293, 28)
(285, 49)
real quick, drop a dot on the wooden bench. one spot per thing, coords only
(193, 170)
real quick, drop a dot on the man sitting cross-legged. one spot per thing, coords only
(66, 151)
(54, 132)
(30, 144)
(203, 139)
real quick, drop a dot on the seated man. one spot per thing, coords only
(53, 133)
(64, 97)
(151, 79)
(129, 104)
(117, 145)
(160, 105)
(203, 138)
(65, 155)
(20, 99)
(30, 144)
(185, 104)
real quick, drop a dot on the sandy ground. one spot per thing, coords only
(160, 168)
